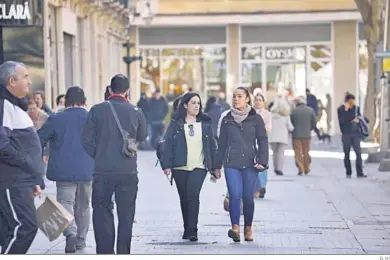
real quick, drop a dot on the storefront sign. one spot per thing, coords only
(15, 12)
(279, 54)
(21, 13)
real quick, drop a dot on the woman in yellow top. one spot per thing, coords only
(188, 153)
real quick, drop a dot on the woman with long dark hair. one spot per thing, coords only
(241, 129)
(188, 154)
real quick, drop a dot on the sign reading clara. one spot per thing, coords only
(21, 13)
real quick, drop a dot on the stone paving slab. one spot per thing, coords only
(322, 213)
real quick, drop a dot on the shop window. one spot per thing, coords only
(322, 87)
(177, 70)
(251, 53)
(251, 75)
(320, 51)
(150, 70)
(26, 45)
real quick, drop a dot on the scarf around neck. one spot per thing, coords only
(239, 116)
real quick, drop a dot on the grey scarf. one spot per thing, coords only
(240, 116)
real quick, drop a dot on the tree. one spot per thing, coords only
(372, 15)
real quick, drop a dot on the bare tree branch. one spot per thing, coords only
(364, 7)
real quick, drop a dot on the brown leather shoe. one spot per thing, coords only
(248, 234)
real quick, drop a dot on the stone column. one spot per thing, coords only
(60, 51)
(233, 59)
(345, 65)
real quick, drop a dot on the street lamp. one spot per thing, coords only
(147, 16)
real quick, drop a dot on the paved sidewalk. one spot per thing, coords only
(322, 213)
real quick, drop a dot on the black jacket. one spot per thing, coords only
(237, 142)
(345, 119)
(158, 110)
(21, 162)
(175, 146)
(103, 141)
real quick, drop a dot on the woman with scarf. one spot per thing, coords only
(259, 105)
(241, 130)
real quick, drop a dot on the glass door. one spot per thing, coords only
(282, 77)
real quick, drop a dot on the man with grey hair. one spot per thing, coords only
(304, 120)
(21, 165)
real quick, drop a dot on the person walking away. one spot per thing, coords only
(39, 97)
(222, 101)
(115, 169)
(37, 115)
(158, 110)
(303, 119)
(241, 128)
(70, 166)
(188, 154)
(278, 137)
(214, 111)
(21, 165)
(311, 101)
(348, 114)
(262, 178)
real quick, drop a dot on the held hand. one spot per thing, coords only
(37, 191)
(46, 159)
(217, 173)
(167, 171)
(259, 166)
(356, 120)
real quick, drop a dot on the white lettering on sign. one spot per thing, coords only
(15, 12)
(279, 54)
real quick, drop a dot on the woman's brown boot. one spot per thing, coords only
(248, 233)
(234, 233)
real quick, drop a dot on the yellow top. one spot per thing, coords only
(195, 158)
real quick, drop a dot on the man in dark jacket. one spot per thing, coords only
(21, 165)
(303, 119)
(115, 172)
(158, 110)
(70, 166)
(348, 114)
(311, 101)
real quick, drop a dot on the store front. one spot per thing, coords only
(21, 36)
(289, 58)
(177, 59)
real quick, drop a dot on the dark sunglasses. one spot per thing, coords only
(191, 128)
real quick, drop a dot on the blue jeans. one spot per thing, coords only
(241, 184)
(262, 179)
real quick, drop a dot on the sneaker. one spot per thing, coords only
(71, 242)
(362, 176)
(80, 244)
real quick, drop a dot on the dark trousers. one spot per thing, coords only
(125, 188)
(19, 222)
(352, 140)
(189, 184)
(157, 130)
(241, 184)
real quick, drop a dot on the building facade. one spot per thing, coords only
(83, 46)
(220, 45)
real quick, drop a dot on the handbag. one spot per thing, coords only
(129, 147)
(361, 127)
